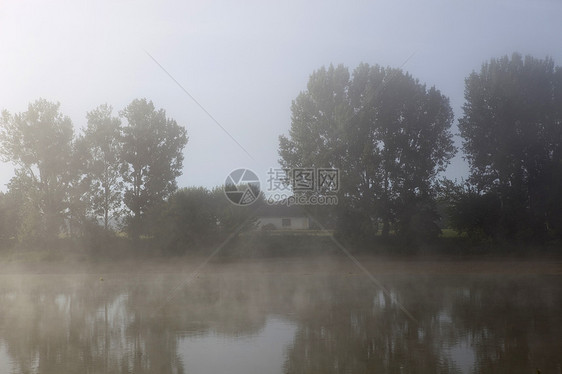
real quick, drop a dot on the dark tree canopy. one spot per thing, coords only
(512, 132)
(387, 133)
(39, 143)
(101, 147)
(152, 158)
(67, 184)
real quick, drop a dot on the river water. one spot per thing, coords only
(280, 322)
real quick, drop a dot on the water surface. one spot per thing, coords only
(279, 322)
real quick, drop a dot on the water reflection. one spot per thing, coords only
(241, 354)
(279, 322)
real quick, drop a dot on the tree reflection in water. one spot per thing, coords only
(344, 324)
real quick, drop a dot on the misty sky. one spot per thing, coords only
(245, 61)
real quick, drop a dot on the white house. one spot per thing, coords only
(283, 217)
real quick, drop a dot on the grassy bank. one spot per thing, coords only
(262, 245)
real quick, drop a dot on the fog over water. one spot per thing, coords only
(282, 317)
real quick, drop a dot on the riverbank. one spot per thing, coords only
(332, 263)
(286, 253)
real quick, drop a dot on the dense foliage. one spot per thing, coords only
(512, 133)
(389, 137)
(64, 183)
(387, 134)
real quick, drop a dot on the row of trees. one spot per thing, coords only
(119, 169)
(512, 138)
(388, 134)
(390, 137)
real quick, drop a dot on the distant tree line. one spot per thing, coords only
(388, 134)
(114, 174)
(390, 137)
(115, 179)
